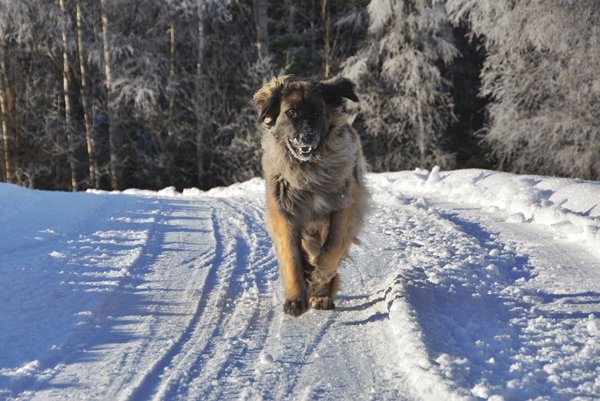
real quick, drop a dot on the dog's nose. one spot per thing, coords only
(308, 137)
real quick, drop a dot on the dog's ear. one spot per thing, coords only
(335, 89)
(268, 100)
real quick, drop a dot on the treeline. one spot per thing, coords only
(119, 93)
(114, 94)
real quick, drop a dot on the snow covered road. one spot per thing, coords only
(469, 285)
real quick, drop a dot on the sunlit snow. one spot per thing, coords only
(469, 284)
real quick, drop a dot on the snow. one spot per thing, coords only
(469, 284)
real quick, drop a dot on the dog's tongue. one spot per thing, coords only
(302, 148)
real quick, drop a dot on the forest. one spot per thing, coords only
(115, 94)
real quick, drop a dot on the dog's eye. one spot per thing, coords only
(292, 113)
(316, 113)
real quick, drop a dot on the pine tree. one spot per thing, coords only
(541, 75)
(404, 105)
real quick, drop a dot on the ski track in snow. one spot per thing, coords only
(469, 285)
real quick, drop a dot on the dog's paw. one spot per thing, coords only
(320, 277)
(321, 303)
(294, 307)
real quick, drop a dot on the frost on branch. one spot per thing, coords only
(542, 76)
(404, 103)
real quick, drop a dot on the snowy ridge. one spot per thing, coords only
(469, 285)
(492, 273)
(571, 207)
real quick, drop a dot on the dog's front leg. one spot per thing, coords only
(336, 244)
(287, 243)
(334, 249)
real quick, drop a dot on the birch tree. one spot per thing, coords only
(261, 19)
(15, 30)
(202, 142)
(64, 28)
(93, 166)
(115, 136)
(5, 114)
(326, 16)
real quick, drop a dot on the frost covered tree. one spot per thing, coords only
(261, 19)
(88, 116)
(124, 93)
(66, 75)
(404, 101)
(312, 38)
(15, 31)
(541, 73)
(235, 140)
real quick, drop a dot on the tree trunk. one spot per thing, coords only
(312, 28)
(421, 140)
(67, 100)
(262, 27)
(325, 8)
(90, 137)
(6, 165)
(115, 138)
(171, 78)
(202, 142)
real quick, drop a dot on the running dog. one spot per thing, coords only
(316, 196)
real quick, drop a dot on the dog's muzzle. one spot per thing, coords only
(303, 146)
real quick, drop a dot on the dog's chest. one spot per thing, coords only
(311, 200)
(320, 204)
(323, 203)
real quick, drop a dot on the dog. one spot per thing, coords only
(314, 170)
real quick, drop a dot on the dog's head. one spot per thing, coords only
(301, 113)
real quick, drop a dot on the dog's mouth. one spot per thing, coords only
(300, 150)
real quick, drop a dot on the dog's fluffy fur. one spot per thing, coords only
(316, 197)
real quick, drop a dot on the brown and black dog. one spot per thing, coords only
(316, 197)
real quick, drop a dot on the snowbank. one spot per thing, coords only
(568, 206)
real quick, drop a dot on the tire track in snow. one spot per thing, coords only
(235, 369)
(158, 382)
(224, 360)
(166, 306)
(526, 354)
(217, 316)
(303, 351)
(292, 354)
(136, 216)
(453, 278)
(247, 312)
(470, 308)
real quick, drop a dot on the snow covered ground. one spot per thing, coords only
(469, 284)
